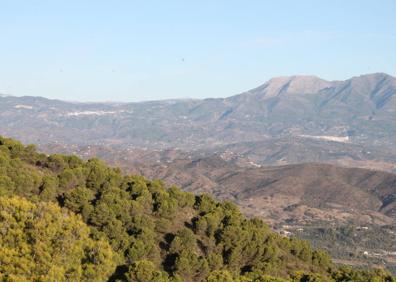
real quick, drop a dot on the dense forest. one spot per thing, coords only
(65, 219)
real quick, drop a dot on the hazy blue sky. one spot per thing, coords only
(143, 50)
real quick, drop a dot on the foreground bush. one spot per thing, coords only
(42, 242)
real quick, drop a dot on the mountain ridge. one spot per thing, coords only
(361, 108)
(288, 78)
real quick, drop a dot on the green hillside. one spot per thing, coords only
(128, 228)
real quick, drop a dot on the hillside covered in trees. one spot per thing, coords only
(65, 219)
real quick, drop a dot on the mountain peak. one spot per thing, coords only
(376, 75)
(296, 78)
(373, 78)
(297, 84)
(310, 84)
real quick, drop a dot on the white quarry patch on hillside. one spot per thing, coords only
(341, 139)
(254, 164)
(92, 113)
(23, 107)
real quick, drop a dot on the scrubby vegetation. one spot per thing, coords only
(43, 242)
(353, 242)
(155, 233)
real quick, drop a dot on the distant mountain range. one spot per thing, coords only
(358, 114)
